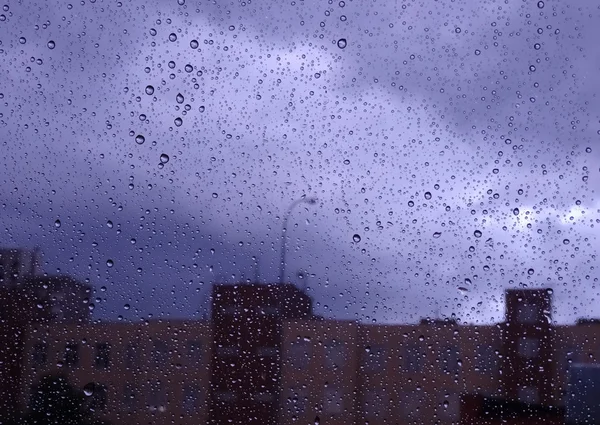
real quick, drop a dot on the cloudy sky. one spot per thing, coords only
(154, 147)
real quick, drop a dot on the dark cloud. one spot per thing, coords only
(432, 123)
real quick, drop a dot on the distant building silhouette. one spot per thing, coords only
(28, 299)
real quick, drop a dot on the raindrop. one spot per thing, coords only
(532, 68)
(530, 272)
(172, 37)
(51, 44)
(537, 46)
(317, 420)
(477, 233)
(110, 263)
(462, 290)
(57, 223)
(139, 139)
(202, 108)
(178, 121)
(411, 204)
(88, 389)
(194, 44)
(341, 43)
(436, 235)
(149, 90)
(215, 195)
(516, 211)
(427, 195)
(180, 2)
(588, 150)
(164, 158)
(22, 40)
(109, 224)
(152, 32)
(566, 241)
(346, 162)
(356, 238)
(188, 68)
(457, 30)
(540, 4)
(126, 306)
(477, 52)
(179, 98)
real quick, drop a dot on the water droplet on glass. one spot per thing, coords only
(57, 223)
(356, 238)
(178, 121)
(566, 241)
(530, 272)
(477, 233)
(457, 30)
(110, 263)
(194, 44)
(427, 195)
(109, 224)
(139, 139)
(22, 40)
(341, 43)
(437, 235)
(179, 98)
(477, 52)
(346, 162)
(126, 306)
(149, 90)
(317, 420)
(180, 2)
(172, 37)
(188, 68)
(88, 389)
(532, 68)
(164, 158)
(51, 44)
(588, 150)
(411, 204)
(215, 195)
(537, 46)
(462, 290)
(202, 108)
(153, 32)
(516, 211)
(317, 75)
(540, 4)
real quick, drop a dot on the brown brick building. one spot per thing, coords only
(264, 357)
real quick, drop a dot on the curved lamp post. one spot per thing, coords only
(304, 200)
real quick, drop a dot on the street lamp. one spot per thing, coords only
(304, 200)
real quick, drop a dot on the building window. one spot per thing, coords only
(450, 405)
(72, 354)
(157, 397)
(267, 351)
(230, 351)
(130, 398)
(413, 359)
(375, 404)
(300, 354)
(450, 360)
(529, 395)
(40, 353)
(102, 355)
(160, 353)
(131, 356)
(191, 399)
(487, 360)
(226, 396)
(333, 401)
(335, 355)
(296, 402)
(527, 314)
(374, 359)
(194, 352)
(529, 347)
(98, 397)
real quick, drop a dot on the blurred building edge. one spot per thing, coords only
(247, 322)
(28, 299)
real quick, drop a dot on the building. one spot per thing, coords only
(29, 299)
(147, 372)
(247, 322)
(265, 357)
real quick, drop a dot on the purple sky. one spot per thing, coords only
(459, 140)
